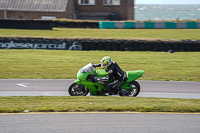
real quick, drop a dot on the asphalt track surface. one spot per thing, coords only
(100, 123)
(59, 87)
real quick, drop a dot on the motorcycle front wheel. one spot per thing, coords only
(77, 90)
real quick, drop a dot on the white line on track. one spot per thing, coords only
(23, 85)
(47, 94)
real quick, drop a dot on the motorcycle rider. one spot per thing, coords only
(114, 71)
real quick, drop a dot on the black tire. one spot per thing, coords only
(77, 90)
(134, 92)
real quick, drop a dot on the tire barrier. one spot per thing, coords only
(26, 24)
(139, 45)
(98, 44)
(149, 25)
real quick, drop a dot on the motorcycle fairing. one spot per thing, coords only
(87, 70)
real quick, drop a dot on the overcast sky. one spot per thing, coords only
(167, 1)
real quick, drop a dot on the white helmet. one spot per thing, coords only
(105, 62)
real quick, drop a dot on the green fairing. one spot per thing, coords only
(95, 87)
(77, 81)
(101, 73)
(133, 75)
(90, 85)
(83, 76)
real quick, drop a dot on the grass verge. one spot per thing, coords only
(179, 34)
(64, 64)
(97, 104)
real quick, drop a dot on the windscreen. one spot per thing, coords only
(87, 68)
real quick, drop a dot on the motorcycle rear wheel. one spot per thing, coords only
(77, 90)
(134, 92)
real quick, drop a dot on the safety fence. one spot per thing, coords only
(98, 44)
(149, 25)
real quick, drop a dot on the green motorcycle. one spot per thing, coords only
(85, 83)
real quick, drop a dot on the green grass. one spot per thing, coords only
(178, 34)
(99, 104)
(64, 64)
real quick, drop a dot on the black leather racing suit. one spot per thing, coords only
(113, 71)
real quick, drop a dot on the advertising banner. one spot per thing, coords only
(39, 44)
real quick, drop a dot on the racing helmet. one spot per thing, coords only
(105, 62)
